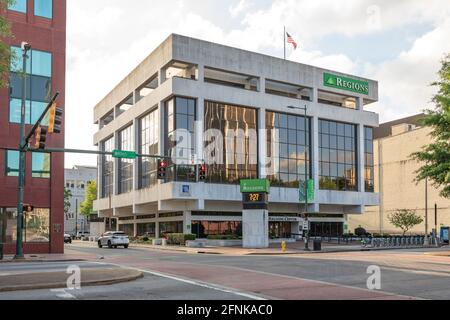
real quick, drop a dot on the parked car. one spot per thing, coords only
(67, 238)
(114, 239)
(82, 234)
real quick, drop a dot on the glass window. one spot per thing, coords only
(338, 169)
(18, 5)
(37, 226)
(12, 163)
(43, 8)
(181, 115)
(107, 168)
(369, 160)
(239, 140)
(149, 128)
(292, 170)
(41, 63)
(126, 141)
(41, 165)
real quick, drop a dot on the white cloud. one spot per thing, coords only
(107, 39)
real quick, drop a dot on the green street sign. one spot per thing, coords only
(124, 154)
(344, 83)
(311, 194)
(257, 185)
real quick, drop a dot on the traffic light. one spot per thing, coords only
(41, 137)
(162, 169)
(55, 121)
(202, 172)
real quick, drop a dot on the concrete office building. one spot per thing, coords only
(77, 180)
(394, 143)
(210, 90)
(41, 23)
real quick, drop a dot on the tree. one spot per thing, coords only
(5, 48)
(436, 156)
(91, 195)
(405, 219)
(67, 196)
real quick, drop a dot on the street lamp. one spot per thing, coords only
(22, 149)
(305, 109)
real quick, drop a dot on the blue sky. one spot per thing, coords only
(399, 43)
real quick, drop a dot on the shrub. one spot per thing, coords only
(179, 238)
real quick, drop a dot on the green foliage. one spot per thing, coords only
(5, 48)
(179, 238)
(67, 196)
(87, 206)
(405, 219)
(436, 156)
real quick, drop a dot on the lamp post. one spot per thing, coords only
(305, 109)
(22, 149)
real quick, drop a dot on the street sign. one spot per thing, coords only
(311, 195)
(306, 225)
(121, 154)
(256, 185)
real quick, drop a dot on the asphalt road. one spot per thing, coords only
(173, 275)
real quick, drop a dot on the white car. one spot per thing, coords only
(114, 239)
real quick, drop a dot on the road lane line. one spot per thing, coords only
(192, 282)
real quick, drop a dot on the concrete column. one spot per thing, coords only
(262, 85)
(135, 229)
(359, 103)
(156, 229)
(361, 162)
(137, 134)
(200, 129)
(262, 143)
(255, 229)
(187, 222)
(201, 72)
(315, 154)
(314, 95)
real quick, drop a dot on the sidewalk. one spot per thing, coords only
(56, 280)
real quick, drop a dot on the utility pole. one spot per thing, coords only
(22, 150)
(76, 218)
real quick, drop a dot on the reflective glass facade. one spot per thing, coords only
(108, 169)
(19, 6)
(180, 138)
(39, 85)
(294, 147)
(239, 155)
(337, 156)
(12, 163)
(36, 225)
(203, 229)
(126, 143)
(148, 144)
(369, 160)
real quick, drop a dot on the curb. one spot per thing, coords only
(41, 261)
(136, 275)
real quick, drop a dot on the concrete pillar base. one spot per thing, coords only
(255, 229)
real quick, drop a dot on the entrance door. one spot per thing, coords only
(280, 230)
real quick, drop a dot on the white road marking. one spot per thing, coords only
(192, 282)
(62, 293)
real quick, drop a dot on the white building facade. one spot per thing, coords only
(209, 90)
(76, 181)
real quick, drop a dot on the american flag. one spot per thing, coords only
(291, 40)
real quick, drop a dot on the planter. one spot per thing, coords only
(157, 242)
(224, 243)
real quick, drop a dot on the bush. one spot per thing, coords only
(180, 238)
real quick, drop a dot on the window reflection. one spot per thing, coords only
(369, 160)
(108, 168)
(149, 128)
(126, 165)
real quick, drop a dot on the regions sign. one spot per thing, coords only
(344, 83)
(257, 185)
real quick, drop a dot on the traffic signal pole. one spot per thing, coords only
(21, 182)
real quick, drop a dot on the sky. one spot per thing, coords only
(398, 43)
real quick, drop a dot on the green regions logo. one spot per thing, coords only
(344, 83)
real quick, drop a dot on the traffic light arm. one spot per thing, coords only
(36, 125)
